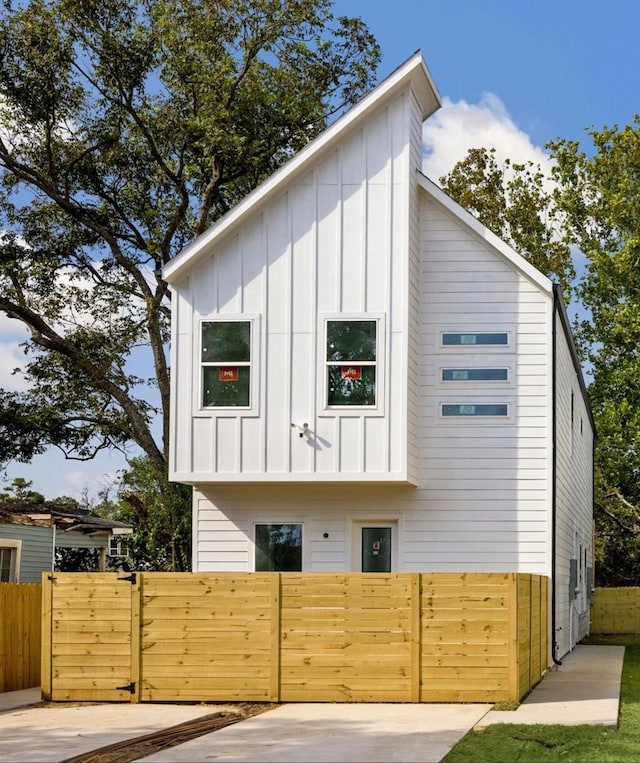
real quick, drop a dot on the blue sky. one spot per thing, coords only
(512, 74)
(557, 66)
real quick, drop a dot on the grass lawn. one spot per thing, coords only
(507, 743)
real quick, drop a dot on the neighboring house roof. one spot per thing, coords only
(414, 72)
(63, 518)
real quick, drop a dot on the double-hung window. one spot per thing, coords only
(226, 349)
(351, 362)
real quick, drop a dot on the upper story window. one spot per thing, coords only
(475, 374)
(226, 364)
(481, 338)
(351, 362)
(475, 409)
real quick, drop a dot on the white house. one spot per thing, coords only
(365, 378)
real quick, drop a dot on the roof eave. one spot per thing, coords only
(414, 72)
(495, 242)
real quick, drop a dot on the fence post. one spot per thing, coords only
(512, 636)
(46, 636)
(136, 641)
(416, 637)
(276, 605)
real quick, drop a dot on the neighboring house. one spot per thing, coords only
(30, 536)
(367, 379)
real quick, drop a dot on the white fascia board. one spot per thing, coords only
(495, 242)
(413, 71)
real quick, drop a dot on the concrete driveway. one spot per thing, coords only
(584, 689)
(335, 733)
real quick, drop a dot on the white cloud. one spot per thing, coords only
(459, 126)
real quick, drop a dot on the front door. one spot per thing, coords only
(376, 549)
(374, 546)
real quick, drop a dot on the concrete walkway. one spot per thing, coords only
(585, 689)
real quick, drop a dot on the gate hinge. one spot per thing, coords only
(51, 577)
(131, 578)
(131, 688)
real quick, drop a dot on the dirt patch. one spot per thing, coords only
(139, 747)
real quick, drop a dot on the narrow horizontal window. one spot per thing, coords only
(475, 374)
(351, 359)
(475, 409)
(226, 364)
(473, 339)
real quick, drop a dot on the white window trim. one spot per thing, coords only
(16, 546)
(473, 364)
(253, 409)
(277, 521)
(472, 420)
(117, 539)
(469, 349)
(350, 411)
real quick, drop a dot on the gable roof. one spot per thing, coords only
(412, 72)
(481, 231)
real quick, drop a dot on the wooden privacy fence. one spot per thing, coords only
(293, 637)
(20, 621)
(615, 611)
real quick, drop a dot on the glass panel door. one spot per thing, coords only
(376, 549)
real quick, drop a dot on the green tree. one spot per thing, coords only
(512, 200)
(126, 128)
(599, 192)
(19, 491)
(594, 207)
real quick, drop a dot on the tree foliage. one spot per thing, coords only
(595, 208)
(512, 200)
(126, 128)
(599, 191)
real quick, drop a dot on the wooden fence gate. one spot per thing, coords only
(293, 637)
(20, 622)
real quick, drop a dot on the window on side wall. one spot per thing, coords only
(9, 565)
(226, 364)
(351, 360)
(278, 547)
(475, 339)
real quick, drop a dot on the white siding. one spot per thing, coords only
(442, 539)
(492, 475)
(574, 499)
(483, 500)
(332, 243)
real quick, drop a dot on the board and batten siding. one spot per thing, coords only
(483, 502)
(574, 500)
(332, 243)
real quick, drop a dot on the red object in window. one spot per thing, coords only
(228, 374)
(351, 372)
